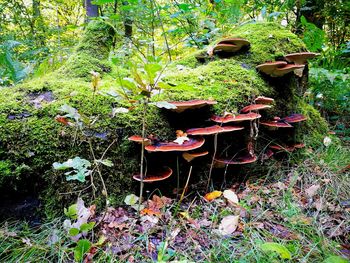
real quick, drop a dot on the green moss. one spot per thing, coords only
(34, 142)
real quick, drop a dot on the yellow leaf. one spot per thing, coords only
(213, 195)
(185, 215)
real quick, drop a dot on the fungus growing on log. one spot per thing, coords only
(254, 107)
(230, 45)
(277, 68)
(191, 104)
(300, 58)
(276, 124)
(213, 130)
(138, 139)
(155, 176)
(264, 100)
(294, 118)
(236, 118)
(245, 159)
(190, 156)
(175, 147)
(287, 148)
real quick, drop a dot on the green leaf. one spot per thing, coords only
(151, 70)
(131, 199)
(164, 104)
(73, 231)
(106, 162)
(87, 227)
(101, 2)
(82, 247)
(281, 250)
(72, 211)
(335, 259)
(129, 85)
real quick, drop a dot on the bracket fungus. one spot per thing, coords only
(188, 156)
(300, 58)
(294, 118)
(236, 118)
(244, 159)
(230, 45)
(276, 124)
(278, 68)
(287, 148)
(189, 145)
(263, 100)
(155, 176)
(191, 104)
(254, 107)
(138, 139)
(213, 130)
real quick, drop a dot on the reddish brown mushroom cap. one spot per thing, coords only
(245, 159)
(213, 130)
(287, 148)
(138, 139)
(175, 147)
(276, 124)
(236, 118)
(286, 69)
(294, 118)
(269, 67)
(155, 176)
(264, 100)
(300, 58)
(191, 104)
(255, 107)
(190, 156)
(230, 45)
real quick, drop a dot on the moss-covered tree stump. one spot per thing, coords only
(31, 140)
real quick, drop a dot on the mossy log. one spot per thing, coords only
(31, 140)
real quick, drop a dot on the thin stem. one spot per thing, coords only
(213, 160)
(178, 177)
(142, 153)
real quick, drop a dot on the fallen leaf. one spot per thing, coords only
(231, 197)
(212, 195)
(281, 250)
(131, 199)
(148, 211)
(311, 191)
(228, 225)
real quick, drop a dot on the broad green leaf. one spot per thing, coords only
(72, 211)
(131, 199)
(152, 70)
(281, 250)
(87, 226)
(129, 85)
(73, 231)
(82, 247)
(101, 2)
(335, 259)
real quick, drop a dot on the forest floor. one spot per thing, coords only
(296, 214)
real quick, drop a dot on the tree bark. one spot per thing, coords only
(91, 10)
(127, 22)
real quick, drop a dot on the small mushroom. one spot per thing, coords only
(300, 58)
(287, 148)
(191, 104)
(294, 118)
(190, 156)
(254, 107)
(236, 118)
(189, 145)
(155, 176)
(213, 130)
(264, 100)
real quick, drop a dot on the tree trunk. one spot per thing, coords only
(91, 10)
(127, 23)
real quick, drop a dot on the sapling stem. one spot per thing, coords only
(213, 160)
(142, 153)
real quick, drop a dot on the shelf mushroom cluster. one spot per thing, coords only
(297, 62)
(193, 139)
